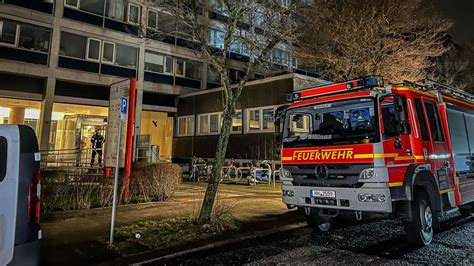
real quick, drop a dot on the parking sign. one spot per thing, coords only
(123, 108)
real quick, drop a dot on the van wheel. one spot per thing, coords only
(420, 231)
(318, 222)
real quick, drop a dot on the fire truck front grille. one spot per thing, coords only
(338, 175)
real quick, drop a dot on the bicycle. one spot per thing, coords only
(200, 170)
(231, 172)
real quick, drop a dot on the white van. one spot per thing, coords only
(19, 196)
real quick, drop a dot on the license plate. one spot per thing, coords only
(323, 194)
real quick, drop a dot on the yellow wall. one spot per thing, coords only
(161, 134)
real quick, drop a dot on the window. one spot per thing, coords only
(108, 52)
(209, 123)
(237, 122)
(216, 38)
(154, 62)
(214, 123)
(260, 119)
(73, 45)
(435, 123)
(93, 49)
(166, 23)
(133, 14)
(185, 30)
(193, 69)
(268, 115)
(116, 9)
(8, 32)
(254, 120)
(185, 126)
(203, 124)
(93, 6)
(300, 123)
(72, 3)
(152, 19)
(126, 56)
(388, 118)
(213, 76)
(280, 57)
(179, 67)
(34, 38)
(421, 120)
(3, 158)
(169, 64)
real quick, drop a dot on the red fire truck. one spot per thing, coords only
(362, 147)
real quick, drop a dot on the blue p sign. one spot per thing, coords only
(123, 105)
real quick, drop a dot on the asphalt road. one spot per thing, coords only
(367, 241)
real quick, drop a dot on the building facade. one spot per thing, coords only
(59, 58)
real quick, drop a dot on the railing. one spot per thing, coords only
(77, 161)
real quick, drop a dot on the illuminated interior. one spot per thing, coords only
(24, 112)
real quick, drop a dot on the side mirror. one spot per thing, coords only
(401, 115)
(280, 113)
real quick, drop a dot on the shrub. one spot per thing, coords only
(155, 182)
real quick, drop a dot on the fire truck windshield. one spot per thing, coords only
(332, 123)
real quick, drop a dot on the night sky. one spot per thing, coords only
(462, 14)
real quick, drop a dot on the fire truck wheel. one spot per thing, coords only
(467, 211)
(318, 222)
(420, 231)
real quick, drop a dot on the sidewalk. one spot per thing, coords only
(71, 237)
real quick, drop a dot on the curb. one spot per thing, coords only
(222, 243)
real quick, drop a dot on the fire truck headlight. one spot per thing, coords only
(371, 197)
(285, 173)
(367, 174)
(288, 193)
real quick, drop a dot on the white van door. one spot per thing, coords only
(9, 172)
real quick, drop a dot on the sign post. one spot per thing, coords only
(123, 115)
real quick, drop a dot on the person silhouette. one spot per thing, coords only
(97, 140)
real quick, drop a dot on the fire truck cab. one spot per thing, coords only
(362, 147)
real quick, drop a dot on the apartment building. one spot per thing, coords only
(58, 59)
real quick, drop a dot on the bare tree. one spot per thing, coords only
(456, 68)
(255, 27)
(395, 39)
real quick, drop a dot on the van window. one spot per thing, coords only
(435, 123)
(3, 158)
(422, 120)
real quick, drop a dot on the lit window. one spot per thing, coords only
(180, 67)
(108, 52)
(237, 122)
(133, 14)
(93, 49)
(203, 124)
(254, 120)
(260, 119)
(152, 19)
(186, 126)
(209, 123)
